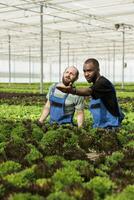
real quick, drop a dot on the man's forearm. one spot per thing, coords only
(45, 112)
(75, 91)
(83, 91)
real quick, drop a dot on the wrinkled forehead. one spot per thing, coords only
(71, 69)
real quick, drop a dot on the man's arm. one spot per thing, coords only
(45, 112)
(80, 117)
(83, 91)
(75, 91)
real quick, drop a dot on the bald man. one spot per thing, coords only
(60, 106)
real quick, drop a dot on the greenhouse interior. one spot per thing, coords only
(66, 100)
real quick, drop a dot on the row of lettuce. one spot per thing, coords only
(55, 162)
(63, 162)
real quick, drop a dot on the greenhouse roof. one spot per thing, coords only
(83, 27)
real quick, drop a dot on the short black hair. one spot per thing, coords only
(94, 61)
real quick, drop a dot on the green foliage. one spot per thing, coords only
(42, 182)
(101, 172)
(2, 147)
(56, 141)
(9, 167)
(85, 169)
(61, 172)
(59, 195)
(130, 144)
(126, 194)
(86, 138)
(21, 179)
(19, 112)
(51, 160)
(101, 186)
(104, 167)
(25, 196)
(33, 155)
(128, 125)
(2, 151)
(66, 176)
(113, 159)
(18, 133)
(2, 137)
(52, 142)
(5, 130)
(53, 163)
(16, 150)
(37, 132)
(71, 141)
(50, 138)
(2, 191)
(122, 136)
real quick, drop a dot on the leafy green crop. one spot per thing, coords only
(25, 196)
(59, 195)
(66, 176)
(113, 159)
(33, 155)
(21, 179)
(9, 167)
(2, 191)
(101, 186)
(126, 194)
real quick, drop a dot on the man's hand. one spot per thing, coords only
(39, 123)
(66, 89)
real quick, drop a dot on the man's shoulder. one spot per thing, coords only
(53, 85)
(104, 82)
(103, 79)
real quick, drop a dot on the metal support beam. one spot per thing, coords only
(41, 49)
(68, 54)
(105, 67)
(29, 65)
(59, 56)
(73, 58)
(50, 72)
(108, 67)
(123, 56)
(9, 57)
(114, 62)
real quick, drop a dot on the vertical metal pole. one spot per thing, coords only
(123, 56)
(50, 72)
(114, 62)
(14, 68)
(76, 61)
(68, 46)
(108, 69)
(29, 65)
(33, 76)
(9, 57)
(59, 56)
(41, 49)
(73, 58)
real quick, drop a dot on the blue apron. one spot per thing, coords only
(57, 109)
(102, 117)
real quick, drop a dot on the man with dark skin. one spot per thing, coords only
(103, 105)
